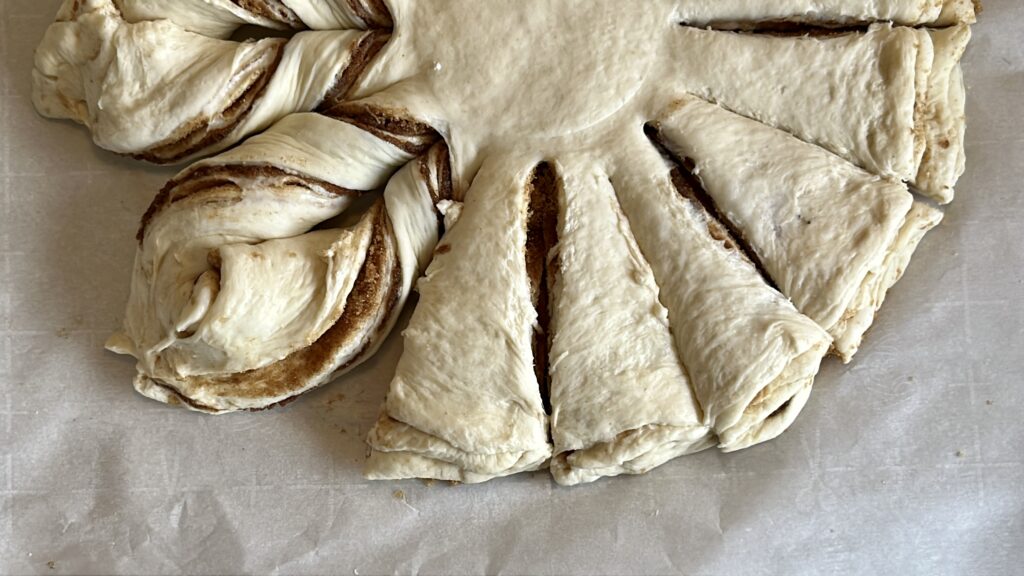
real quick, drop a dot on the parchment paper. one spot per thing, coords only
(909, 460)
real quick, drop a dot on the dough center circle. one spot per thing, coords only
(532, 68)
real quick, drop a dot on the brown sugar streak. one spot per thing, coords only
(196, 134)
(274, 10)
(719, 227)
(208, 179)
(541, 237)
(378, 287)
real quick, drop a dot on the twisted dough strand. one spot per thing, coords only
(219, 18)
(158, 91)
(244, 296)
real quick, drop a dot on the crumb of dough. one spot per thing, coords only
(960, 453)
(398, 495)
(428, 482)
(52, 565)
(334, 400)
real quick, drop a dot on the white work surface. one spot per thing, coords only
(909, 460)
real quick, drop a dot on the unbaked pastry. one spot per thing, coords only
(237, 303)
(570, 238)
(750, 355)
(621, 400)
(883, 99)
(465, 403)
(822, 228)
(162, 93)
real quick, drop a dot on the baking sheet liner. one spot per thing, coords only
(909, 460)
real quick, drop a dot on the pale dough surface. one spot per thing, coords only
(819, 225)
(465, 399)
(621, 401)
(465, 403)
(747, 350)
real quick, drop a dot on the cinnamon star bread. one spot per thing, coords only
(636, 229)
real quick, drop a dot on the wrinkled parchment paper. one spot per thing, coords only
(910, 460)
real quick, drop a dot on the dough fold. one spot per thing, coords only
(621, 402)
(244, 296)
(823, 229)
(159, 92)
(853, 94)
(942, 116)
(750, 355)
(465, 403)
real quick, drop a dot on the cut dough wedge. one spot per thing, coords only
(750, 355)
(890, 100)
(236, 303)
(621, 402)
(161, 93)
(853, 94)
(823, 229)
(465, 402)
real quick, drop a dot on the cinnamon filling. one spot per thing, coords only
(396, 127)
(363, 52)
(779, 410)
(719, 226)
(254, 33)
(436, 170)
(541, 238)
(368, 311)
(274, 10)
(373, 13)
(788, 28)
(197, 135)
(208, 178)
